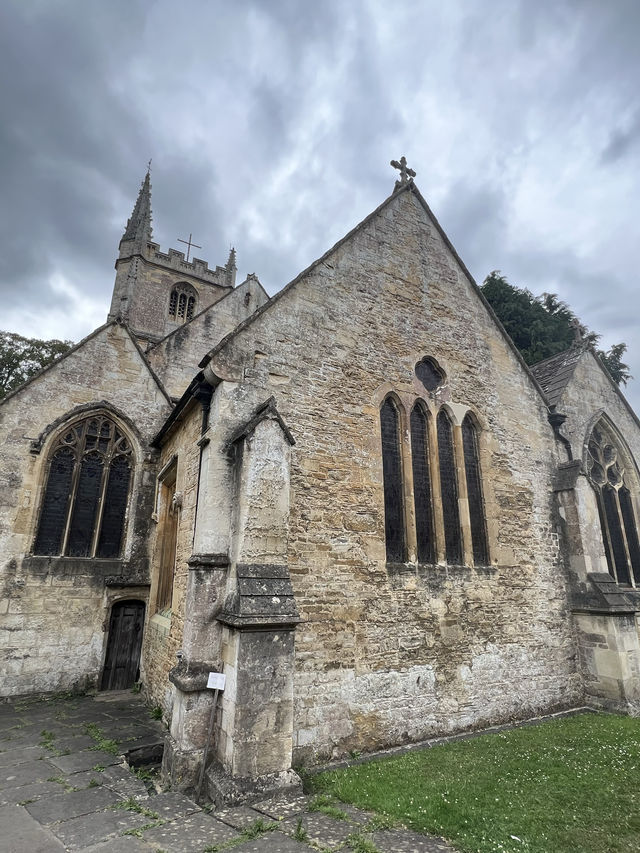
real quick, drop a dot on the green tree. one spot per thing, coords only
(542, 326)
(21, 358)
(612, 360)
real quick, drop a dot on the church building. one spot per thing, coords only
(353, 499)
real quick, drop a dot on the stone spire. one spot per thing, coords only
(138, 228)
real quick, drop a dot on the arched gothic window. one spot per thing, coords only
(474, 492)
(392, 478)
(449, 489)
(422, 484)
(182, 303)
(606, 470)
(85, 499)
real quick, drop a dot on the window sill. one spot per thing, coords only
(427, 570)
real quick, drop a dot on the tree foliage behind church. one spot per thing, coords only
(21, 358)
(542, 326)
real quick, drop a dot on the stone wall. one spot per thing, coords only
(143, 287)
(175, 358)
(54, 611)
(164, 632)
(388, 654)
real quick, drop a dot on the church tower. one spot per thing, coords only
(154, 292)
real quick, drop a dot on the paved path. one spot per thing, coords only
(65, 785)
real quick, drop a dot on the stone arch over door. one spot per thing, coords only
(124, 644)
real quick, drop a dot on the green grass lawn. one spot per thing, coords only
(571, 785)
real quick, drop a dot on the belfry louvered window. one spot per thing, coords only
(392, 477)
(606, 470)
(85, 499)
(449, 489)
(422, 484)
(182, 303)
(474, 492)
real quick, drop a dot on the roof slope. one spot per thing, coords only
(554, 373)
(410, 187)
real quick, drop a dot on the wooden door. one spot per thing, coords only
(122, 661)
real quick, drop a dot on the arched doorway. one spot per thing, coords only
(122, 661)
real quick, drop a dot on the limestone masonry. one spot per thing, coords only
(352, 498)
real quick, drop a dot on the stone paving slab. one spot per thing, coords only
(405, 841)
(320, 829)
(124, 844)
(74, 804)
(87, 759)
(25, 835)
(28, 793)
(25, 774)
(81, 832)
(283, 805)
(272, 842)
(240, 817)
(189, 835)
(171, 806)
(21, 755)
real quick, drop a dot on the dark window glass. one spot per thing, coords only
(429, 374)
(449, 490)
(53, 516)
(392, 477)
(85, 506)
(191, 304)
(115, 506)
(422, 485)
(615, 534)
(631, 531)
(474, 493)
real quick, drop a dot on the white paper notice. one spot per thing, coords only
(216, 680)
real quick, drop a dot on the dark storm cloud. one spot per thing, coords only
(271, 126)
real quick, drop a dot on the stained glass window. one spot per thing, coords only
(85, 499)
(392, 476)
(422, 485)
(449, 490)
(474, 492)
(608, 477)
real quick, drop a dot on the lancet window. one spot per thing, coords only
(182, 303)
(85, 499)
(392, 475)
(444, 462)
(611, 482)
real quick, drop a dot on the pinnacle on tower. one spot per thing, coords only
(231, 268)
(139, 223)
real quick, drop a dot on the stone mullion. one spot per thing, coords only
(436, 492)
(463, 497)
(411, 536)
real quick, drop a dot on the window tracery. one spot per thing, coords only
(84, 504)
(606, 471)
(182, 303)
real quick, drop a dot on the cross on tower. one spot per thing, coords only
(188, 244)
(406, 174)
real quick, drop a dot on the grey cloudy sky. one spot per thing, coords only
(271, 124)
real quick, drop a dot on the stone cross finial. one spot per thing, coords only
(406, 174)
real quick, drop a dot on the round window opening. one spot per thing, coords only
(430, 374)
